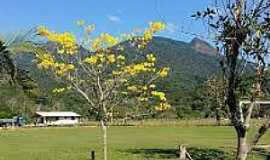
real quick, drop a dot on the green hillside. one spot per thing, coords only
(189, 70)
(189, 67)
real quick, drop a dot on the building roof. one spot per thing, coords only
(58, 114)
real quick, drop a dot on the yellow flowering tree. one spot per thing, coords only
(106, 77)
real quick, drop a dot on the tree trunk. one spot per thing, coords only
(218, 117)
(242, 146)
(105, 144)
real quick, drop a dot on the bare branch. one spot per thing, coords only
(84, 94)
(261, 132)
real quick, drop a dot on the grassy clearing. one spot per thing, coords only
(125, 143)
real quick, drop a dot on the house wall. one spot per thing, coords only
(58, 120)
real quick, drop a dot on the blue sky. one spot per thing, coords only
(113, 16)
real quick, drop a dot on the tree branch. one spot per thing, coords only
(263, 129)
(249, 113)
(83, 94)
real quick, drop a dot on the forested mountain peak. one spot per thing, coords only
(202, 46)
(188, 67)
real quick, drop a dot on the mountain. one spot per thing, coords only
(203, 47)
(191, 64)
(188, 64)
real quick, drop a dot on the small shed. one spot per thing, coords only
(57, 118)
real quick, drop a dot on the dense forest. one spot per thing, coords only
(192, 64)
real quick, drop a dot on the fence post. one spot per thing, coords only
(93, 156)
(182, 152)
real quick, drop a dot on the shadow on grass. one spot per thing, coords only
(196, 153)
(262, 152)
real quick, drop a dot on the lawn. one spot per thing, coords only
(125, 143)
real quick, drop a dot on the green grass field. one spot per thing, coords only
(125, 143)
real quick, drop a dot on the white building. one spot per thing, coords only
(57, 118)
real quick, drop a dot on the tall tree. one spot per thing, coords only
(242, 35)
(14, 75)
(105, 77)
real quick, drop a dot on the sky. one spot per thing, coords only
(112, 16)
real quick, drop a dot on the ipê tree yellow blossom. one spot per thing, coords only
(66, 41)
(106, 77)
(103, 41)
(164, 72)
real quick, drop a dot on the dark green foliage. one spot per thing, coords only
(14, 80)
(71, 102)
(5, 112)
(189, 70)
(14, 102)
(7, 67)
